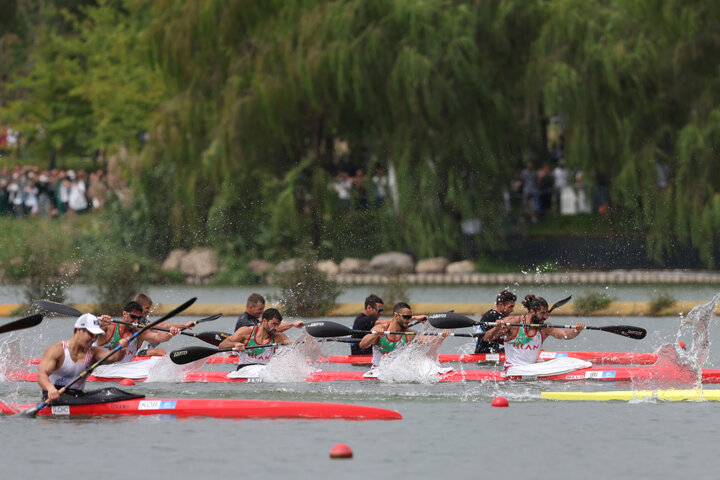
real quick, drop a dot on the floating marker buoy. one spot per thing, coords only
(127, 381)
(682, 345)
(500, 402)
(341, 451)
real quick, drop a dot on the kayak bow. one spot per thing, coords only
(217, 408)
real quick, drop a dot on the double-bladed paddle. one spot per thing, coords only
(25, 322)
(559, 303)
(213, 338)
(34, 410)
(59, 308)
(332, 329)
(455, 320)
(190, 354)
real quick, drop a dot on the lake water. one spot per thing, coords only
(448, 430)
(417, 293)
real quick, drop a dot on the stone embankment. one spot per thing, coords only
(199, 266)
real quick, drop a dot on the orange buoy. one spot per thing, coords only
(500, 402)
(682, 345)
(341, 450)
(127, 381)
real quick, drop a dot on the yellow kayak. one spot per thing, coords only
(627, 395)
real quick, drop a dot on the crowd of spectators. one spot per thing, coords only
(29, 191)
(354, 191)
(538, 193)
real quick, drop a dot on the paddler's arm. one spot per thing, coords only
(48, 364)
(372, 338)
(100, 352)
(565, 333)
(284, 326)
(238, 339)
(499, 330)
(158, 336)
(432, 339)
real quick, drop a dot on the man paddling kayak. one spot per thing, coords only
(152, 347)
(504, 306)
(246, 340)
(253, 312)
(112, 333)
(522, 345)
(366, 321)
(64, 361)
(383, 343)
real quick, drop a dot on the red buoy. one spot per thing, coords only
(341, 451)
(500, 402)
(682, 345)
(127, 381)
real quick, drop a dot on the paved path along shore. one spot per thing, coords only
(614, 277)
(350, 310)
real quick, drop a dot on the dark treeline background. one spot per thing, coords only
(227, 114)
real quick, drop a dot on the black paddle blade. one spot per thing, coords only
(209, 319)
(60, 308)
(25, 322)
(445, 320)
(635, 333)
(560, 303)
(213, 338)
(190, 354)
(327, 329)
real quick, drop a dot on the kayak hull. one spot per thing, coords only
(627, 395)
(598, 358)
(217, 408)
(612, 374)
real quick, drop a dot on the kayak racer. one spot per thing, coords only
(249, 341)
(383, 343)
(64, 361)
(523, 343)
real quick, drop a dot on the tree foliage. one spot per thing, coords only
(245, 103)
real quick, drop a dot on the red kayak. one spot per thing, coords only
(617, 374)
(218, 408)
(599, 358)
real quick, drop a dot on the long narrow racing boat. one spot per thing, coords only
(650, 373)
(218, 408)
(598, 358)
(697, 395)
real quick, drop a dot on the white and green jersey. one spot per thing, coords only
(256, 356)
(522, 349)
(385, 346)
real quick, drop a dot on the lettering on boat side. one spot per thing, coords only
(574, 377)
(437, 315)
(61, 410)
(157, 405)
(492, 357)
(546, 355)
(601, 374)
(254, 380)
(179, 353)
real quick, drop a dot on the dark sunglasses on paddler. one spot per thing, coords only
(406, 316)
(135, 317)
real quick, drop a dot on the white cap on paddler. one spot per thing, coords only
(89, 322)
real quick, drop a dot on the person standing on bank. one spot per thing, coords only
(366, 321)
(254, 309)
(504, 306)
